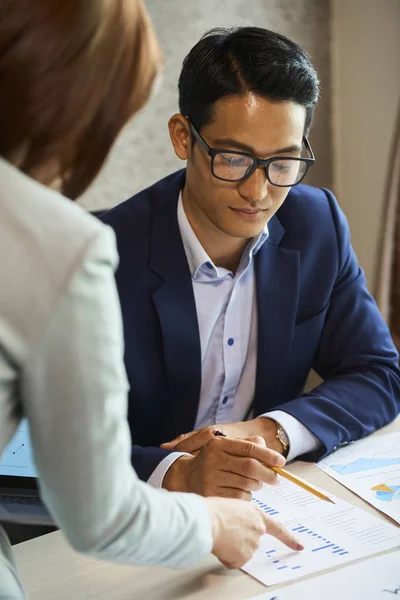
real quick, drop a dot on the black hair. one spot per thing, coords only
(237, 61)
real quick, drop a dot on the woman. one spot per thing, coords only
(71, 75)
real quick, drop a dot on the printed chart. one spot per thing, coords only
(353, 581)
(331, 534)
(371, 469)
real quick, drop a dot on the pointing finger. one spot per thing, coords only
(277, 530)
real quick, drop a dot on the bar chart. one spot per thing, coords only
(321, 542)
(269, 510)
(332, 535)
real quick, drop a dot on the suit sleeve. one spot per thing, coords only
(146, 459)
(356, 358)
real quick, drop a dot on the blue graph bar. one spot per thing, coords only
(270, 511)
(269, 551)
(298, 528)
(267, 509)
(293, 568)
(336, 551)
(282, 567)
(342, 553)
(322, 547)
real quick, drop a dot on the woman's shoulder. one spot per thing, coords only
(42, 212)
(44, 239)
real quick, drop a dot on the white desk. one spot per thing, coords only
(52, 571)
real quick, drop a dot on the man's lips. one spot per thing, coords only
(249, 211)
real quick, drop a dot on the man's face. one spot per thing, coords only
(253, 125)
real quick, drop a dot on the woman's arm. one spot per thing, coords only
(75, 389)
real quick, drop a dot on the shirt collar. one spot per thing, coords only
(195, 253)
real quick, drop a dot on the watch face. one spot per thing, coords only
(283, 436)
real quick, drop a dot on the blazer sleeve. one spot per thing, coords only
(146, 459)
(11, 587)
(356, 358)
(75, 397)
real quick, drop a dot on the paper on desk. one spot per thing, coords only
(373, 579)
(371, 469)
(332, 534)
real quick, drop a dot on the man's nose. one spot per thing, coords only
(255, 189)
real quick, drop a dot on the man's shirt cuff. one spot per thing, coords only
(157, 477)
(301, 440)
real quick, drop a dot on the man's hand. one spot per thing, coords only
(194, 440)
(225, 467)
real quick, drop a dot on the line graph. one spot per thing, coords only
(15, 451)
(17, 458)
(365, 464)
(371, 469)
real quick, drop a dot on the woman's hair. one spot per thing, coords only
(72, 73)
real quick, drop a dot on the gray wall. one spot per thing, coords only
(366, 102)
(143, 153)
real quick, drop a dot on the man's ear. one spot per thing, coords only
(179, 131)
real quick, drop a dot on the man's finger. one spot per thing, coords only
(251, 468)
(276, 529)
(242, 447)
(173, 443)
(195, 440)
(241, 482)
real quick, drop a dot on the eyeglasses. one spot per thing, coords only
(229, 165)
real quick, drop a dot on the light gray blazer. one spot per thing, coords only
(61, 366)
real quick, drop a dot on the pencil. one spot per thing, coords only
(293, 478)
(302, 483)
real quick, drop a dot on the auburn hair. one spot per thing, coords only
(72, 73)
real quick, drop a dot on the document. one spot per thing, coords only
(373, 579)
(371, 469)
(332, 534)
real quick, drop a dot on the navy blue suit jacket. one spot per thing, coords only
(314, 311)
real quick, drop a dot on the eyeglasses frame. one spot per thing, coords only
(257, 162)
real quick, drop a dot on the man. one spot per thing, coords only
(235, 281)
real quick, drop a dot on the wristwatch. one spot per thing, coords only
(282, 436)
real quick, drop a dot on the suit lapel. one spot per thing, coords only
(277, 276)
(176, 309)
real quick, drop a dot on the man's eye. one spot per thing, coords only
(281, 166)
(235, 161)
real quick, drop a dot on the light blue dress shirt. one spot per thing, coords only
(227, 317)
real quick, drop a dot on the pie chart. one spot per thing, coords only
(386, 493)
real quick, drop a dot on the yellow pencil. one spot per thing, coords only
(294, 478)
(301, 483)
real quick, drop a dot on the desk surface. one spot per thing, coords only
(50, 569)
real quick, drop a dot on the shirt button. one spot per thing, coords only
(225, 400)
(209, 265)
(231, 341)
